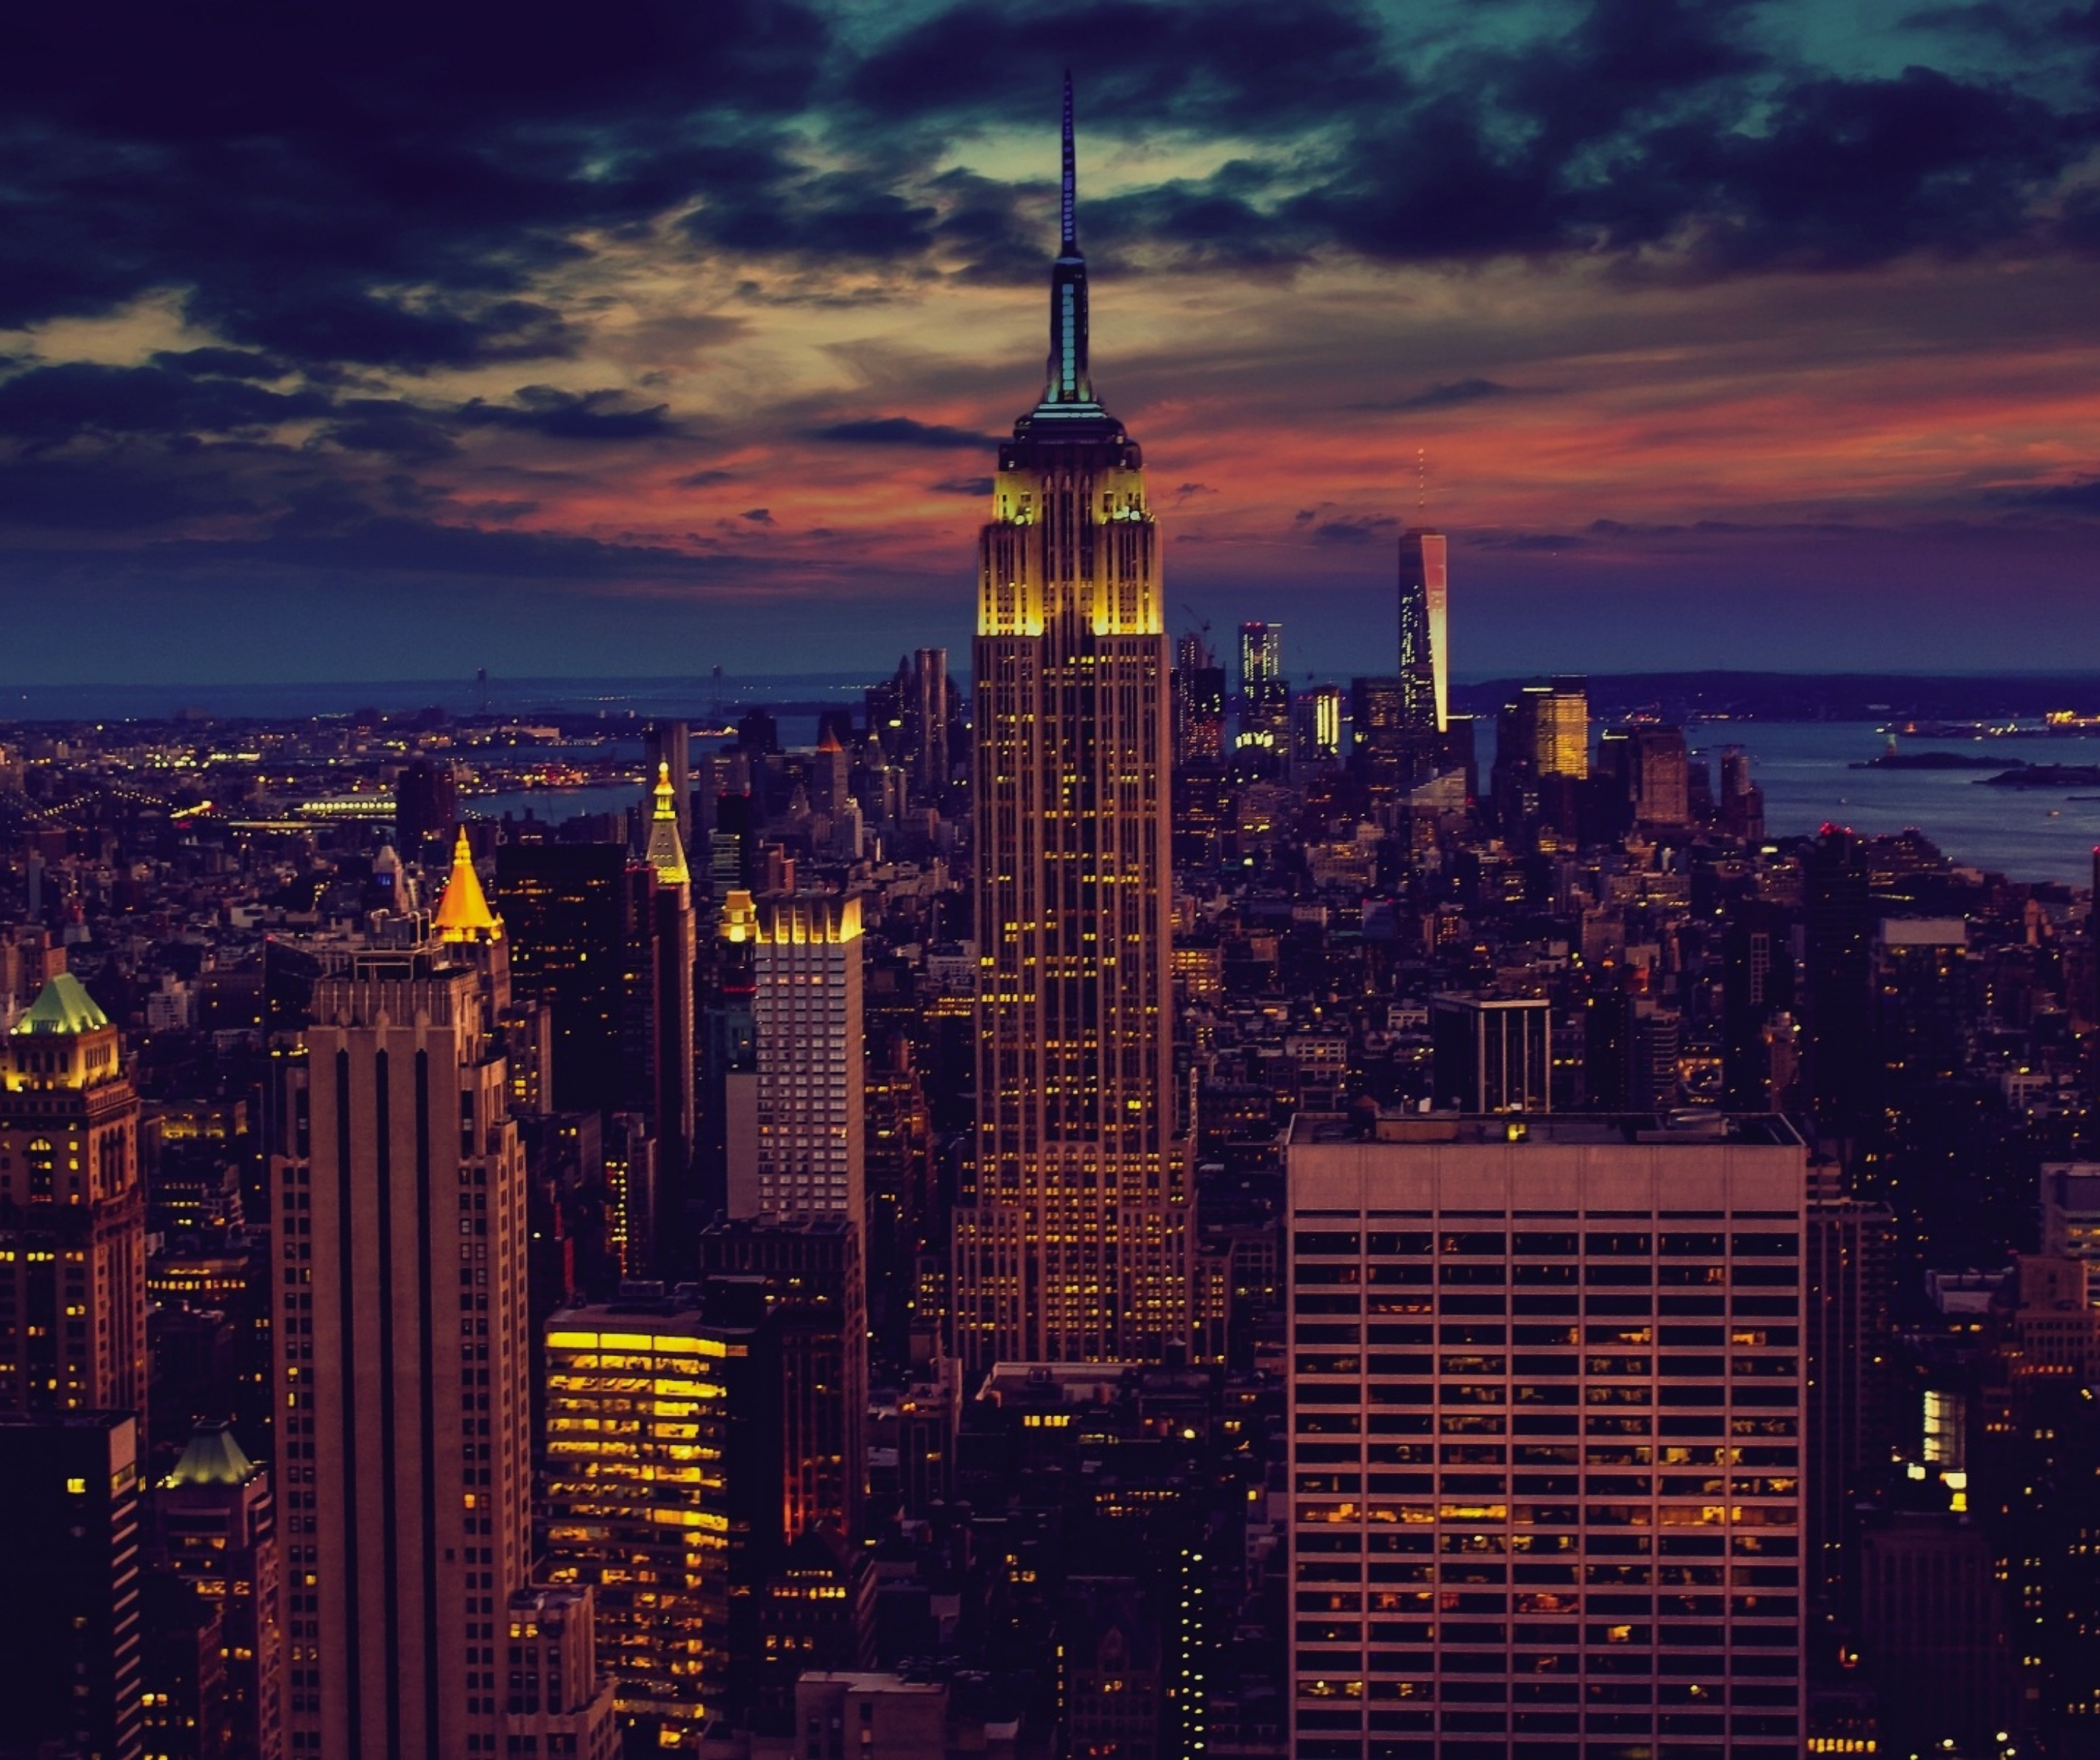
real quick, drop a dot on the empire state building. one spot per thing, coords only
(1072, 1243)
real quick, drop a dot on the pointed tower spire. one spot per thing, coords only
(1069, 244)
(667, 850)
(1069, 382)
(463, 912)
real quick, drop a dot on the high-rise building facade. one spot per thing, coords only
(1264, 690)
(1075, 1244)
(1560, 726)
(70, 1671)
(1424, 599)
(73, 1212)
(662, 1453)
(561, 906)
(213, 1525)
(664, 926)
(802, 1151)
(1545, 1408)
(401, 1351)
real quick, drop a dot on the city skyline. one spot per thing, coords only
(1729, 335)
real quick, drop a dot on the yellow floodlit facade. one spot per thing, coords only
(1076, 1245)
(72, 1240)
(637, 1444)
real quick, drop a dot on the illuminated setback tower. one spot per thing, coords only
(1424, 666)
(1076, 1245)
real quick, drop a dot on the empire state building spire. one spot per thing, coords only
(1069, 384)
(1074, 1244)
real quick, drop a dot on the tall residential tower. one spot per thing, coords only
(1074, 1244)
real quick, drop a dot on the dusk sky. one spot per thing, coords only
(391, 341)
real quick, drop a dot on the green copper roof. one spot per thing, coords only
(212, 1457)
(65, 1006)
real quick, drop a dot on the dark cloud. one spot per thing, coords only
(375, 187)
(1524, 541)
(976, 487)
(1450, 395)
(131, 492)
(1349, 531)
(1646, 131)
(402, 431)
(703, 479)
(1245, 65)
(758, 516)
(52, 403)
(900, 431)
(2082, 497)
(337, 539)
(604, 414)
(223, 363)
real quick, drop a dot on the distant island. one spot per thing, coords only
(1930, 760)
(2051, 775)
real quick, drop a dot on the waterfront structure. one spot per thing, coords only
(1652, 771)
(1424, 619)
(70, 1670)
(399, 1333)
(1560, 714)
(1073, 1242)
(1545, 1408)
(73, 1211)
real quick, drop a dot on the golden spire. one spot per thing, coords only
(463, 912)
(667, 850)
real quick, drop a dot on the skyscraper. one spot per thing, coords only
(401, 1338)
(666, 924)
(1074, 1244)
(653, 1515)
(927, 722)
(70, 1670)
(1264, 691)
(1560, 723)
(798, 1190)
(73, 1212)
(1424, 666)
(561, 904)
(1557, 1508)
(806, 1156)
(213, 1524)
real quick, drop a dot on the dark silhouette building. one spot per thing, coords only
(561, 904)
(70, 1671)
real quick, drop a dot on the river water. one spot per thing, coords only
(1803, 766)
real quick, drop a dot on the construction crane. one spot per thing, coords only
(1203, 629)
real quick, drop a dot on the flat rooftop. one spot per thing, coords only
(1692, 1129)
